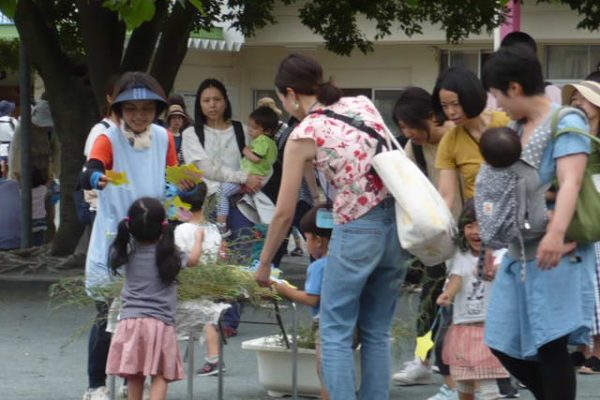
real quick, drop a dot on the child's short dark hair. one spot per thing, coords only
(500, 147)
(471, 94)
(519, 39)
(516, 64)
(266, 118)
(196, 198)
(308, 223)
(467, 216)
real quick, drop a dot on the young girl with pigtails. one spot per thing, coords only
(145, 342)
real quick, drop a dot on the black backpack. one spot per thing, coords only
(240, 137)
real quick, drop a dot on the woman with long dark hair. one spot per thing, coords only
(215, 142)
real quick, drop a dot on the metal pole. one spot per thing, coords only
(190, 366)
(25, 129)
(294, 351)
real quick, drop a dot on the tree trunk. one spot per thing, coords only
(74, 112)
(173, 45)
(73, 107)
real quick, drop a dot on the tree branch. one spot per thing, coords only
(143, 40)
(103, 37)
(173, 45)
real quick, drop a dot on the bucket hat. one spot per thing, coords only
(176, 109)
(590, 90)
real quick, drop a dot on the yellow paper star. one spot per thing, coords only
(117, 178)
(424, 344)
(188, 172)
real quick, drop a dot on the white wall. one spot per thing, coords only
(388, 67)
(396, 62)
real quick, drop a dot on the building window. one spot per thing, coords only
(567, 63)
(470, 59)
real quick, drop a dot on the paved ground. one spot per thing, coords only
(43, 357)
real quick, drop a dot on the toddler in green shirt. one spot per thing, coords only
(258, 158)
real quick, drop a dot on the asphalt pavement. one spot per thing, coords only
(43, 352)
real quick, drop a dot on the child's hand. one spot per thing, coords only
(246, 151)
(444, 300)
(103, 181)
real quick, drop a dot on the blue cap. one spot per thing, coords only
(138, 93)
(6, 107)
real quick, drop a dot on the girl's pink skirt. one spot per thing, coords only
(468, 357)
(145, 346)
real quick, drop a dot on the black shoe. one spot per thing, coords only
(591, 366)
(578, 359)
(210, 369)
(506, 389)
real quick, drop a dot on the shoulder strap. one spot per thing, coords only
(360, 125)
(105, 124)
(8, 121)
(560, 114)
(240, 137)
(420, 158)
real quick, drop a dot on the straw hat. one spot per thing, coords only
(590, 90)
(176, 109)
(269, 102)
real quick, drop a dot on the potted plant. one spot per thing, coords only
(274, 364)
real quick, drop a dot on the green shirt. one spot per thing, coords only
(266, 148)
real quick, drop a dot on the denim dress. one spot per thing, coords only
(524, 315)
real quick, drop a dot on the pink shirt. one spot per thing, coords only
(344, 155)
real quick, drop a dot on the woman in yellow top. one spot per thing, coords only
(459, 96)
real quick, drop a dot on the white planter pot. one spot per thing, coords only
(275, 367)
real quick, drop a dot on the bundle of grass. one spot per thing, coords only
(216, 282)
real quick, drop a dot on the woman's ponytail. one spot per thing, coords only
(328, 93)
(120, 248)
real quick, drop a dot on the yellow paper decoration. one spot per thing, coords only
(189, 172)
(117, 178)
(424, 344)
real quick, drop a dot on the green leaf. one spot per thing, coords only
(8, 7)
(197, 4)
(133, 12)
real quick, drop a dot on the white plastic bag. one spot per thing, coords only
(425, 225)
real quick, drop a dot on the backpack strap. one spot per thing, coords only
(238, 129)
(105, 124)
(240, 137)
(9, 121)
(420, 158)
(358, 124)
(560, 114)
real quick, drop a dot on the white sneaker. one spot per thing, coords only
(99, 393)
(445, 393)
(414, 373)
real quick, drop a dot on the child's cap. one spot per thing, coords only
(308, 224)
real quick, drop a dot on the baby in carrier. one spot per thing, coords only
(509, 200)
